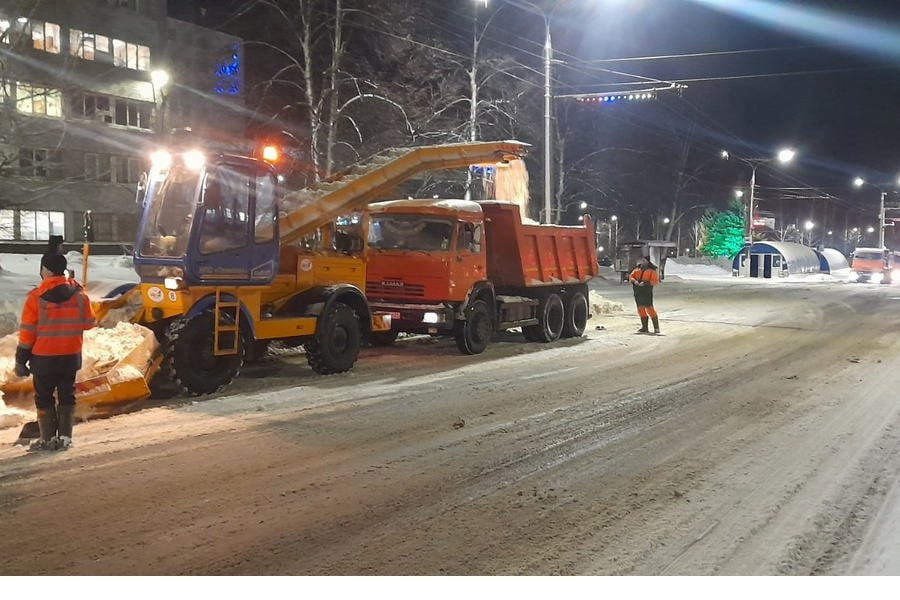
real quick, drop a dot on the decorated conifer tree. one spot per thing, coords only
(724, 232)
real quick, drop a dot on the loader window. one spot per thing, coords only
(226, 210)
(264, 219)
(168, 223)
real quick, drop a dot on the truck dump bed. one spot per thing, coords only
(523, 255)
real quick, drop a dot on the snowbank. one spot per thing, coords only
(700, 270)
(602, 306)
(20, 275)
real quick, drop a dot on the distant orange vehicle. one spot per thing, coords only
(875, 265)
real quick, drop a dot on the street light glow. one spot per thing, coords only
(666, 221)
(859, 181)
(159, 78)
(785, 155)
(614, 218)
(724, 154)
(739, 193)
(808, 225)
(584, 204)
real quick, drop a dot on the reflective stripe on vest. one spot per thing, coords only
(60, 326)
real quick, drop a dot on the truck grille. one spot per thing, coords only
(379, 289)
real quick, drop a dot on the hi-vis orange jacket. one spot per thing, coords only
(54, 318)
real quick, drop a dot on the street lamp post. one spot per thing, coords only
(808, 226)
(548, 118)
(859, 182)
(615, 231)
(783, 156)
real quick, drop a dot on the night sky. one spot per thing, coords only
(821, 76)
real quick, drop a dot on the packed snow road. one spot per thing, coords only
(759, 435)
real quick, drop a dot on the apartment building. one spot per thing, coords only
(87, 90)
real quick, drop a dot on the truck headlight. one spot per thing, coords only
(431, 317)
(853, 277)
(877, 277)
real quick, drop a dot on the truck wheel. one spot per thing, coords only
(551, 319)
(192, 361)
(335, 347)
(474, 334)
(576, 315)
(383, 338)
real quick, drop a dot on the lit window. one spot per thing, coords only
(119, 53)
(87, 43)
(4, 27)
(101, 44)
(51, 37)
(37, 34)
(7, 222)
(132, 56)
(45, 36)
(40, 224)
(75, 42)
(35, 100)
(143, 58)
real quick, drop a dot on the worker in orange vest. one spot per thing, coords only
(54, 319)
(643, 279)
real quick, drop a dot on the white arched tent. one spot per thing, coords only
(832, 261)
(775, 259)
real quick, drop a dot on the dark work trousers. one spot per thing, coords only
(44, 385)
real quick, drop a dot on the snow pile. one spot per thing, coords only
(695, 271)
(102, 349)
(602, 306)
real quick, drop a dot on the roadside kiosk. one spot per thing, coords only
(629, 254)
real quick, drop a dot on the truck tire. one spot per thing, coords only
(576, 315)
(193, 364)
(550, 321)
(383, 338)
(475, 333)
(335, 347)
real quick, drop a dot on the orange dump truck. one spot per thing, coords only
(875, 265)
(467, 269)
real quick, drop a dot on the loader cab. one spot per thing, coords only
(208, 220)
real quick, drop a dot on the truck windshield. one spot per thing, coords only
(868, 256)
(409, 232)
(172, 199)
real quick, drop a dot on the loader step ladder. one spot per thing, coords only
(227, 322)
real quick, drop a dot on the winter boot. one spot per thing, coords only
(655, 324)
(64, 427)
(47, 425)
(643, 328)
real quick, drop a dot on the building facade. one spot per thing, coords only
(86, 90)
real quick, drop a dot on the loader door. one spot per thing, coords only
(238, 227)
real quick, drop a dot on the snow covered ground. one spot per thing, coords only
(758, 435)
